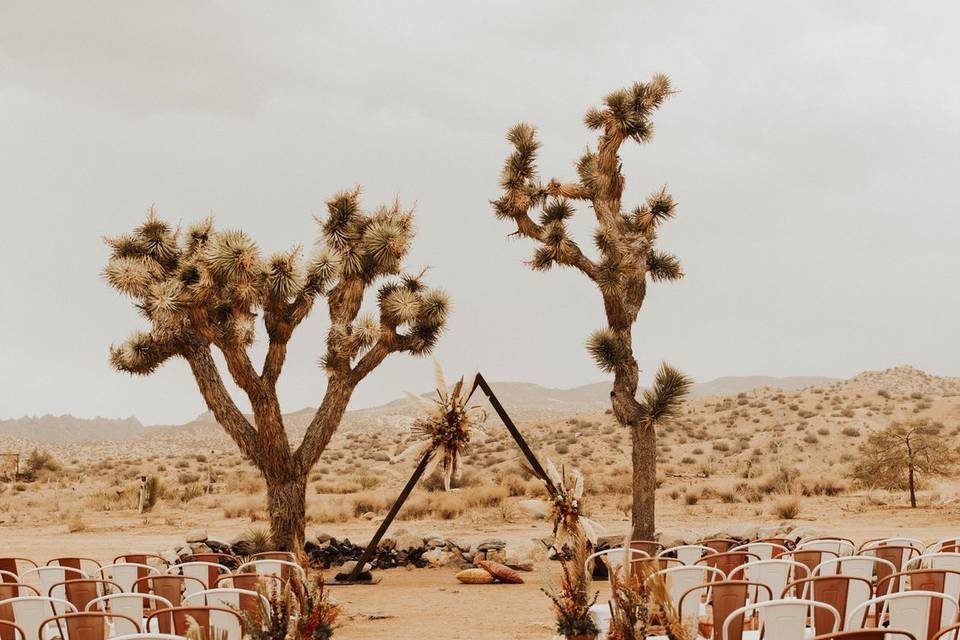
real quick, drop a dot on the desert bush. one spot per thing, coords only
(188, 478)
(691, 498)
(721, 445)
(787, 508)
(190, 492)
(851, 432)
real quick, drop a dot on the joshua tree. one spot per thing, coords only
(203, 290)
(626, 259)
(898, 456)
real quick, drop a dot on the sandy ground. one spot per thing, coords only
(430, 603)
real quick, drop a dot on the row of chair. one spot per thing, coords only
(746, 576)
(136, 593)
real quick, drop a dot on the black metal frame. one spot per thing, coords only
(480, 382)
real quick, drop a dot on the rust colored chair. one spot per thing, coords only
(81, 592)
(868, 634)
(88, 565)
(949, 633)
(88, 625)
(783, 542)
(169, 587)
(720, 545)
(251, 582)
(728, 561)
(10, 631)
(142, 558)
(292, 557)
(649, 547)
(810, 558)
(13, 565)
(897, 555)
(207, 618)
(726, 596)
(843, 593)
(12, 590)
(946, 581)
(225, 559)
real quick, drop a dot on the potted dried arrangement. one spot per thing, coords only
(571, 604)
(446, 427)
(302, 610)
(574, 535)
(640, 606)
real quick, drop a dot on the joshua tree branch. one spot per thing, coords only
(219, 402)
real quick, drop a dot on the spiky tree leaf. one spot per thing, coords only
(434, 309)
(140, 354)
(663, 266)
(233, 256)
(606, 350)
(130, 276)
(400, 306)
(662, 402)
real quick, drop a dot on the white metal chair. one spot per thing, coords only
(865, 567)
(280, 568)
(681, 579)
(687, 553)
(615, 559)
(935, 560)
(126, 573)
(763, 550)
(784, 619)
(896, 542)
(29, 612)
(776, 574)
(839, 546)
(911, 611)
(238, 599)
(129, 604)
(205, 572)
(50, 577)
(952, 544)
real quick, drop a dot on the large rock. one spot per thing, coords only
(170, 555)
(742, 531)
(533, 508)
(349, 565)
(184, 551)
(437, 557)
(492, 543)
(493, 555)
(434, 539)
(322, 536)
(196, 535)
(802, 531)
(408, 542)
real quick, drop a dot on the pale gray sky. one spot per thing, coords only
(813, 148)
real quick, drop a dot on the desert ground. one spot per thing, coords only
(765, 457)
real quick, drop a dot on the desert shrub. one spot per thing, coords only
(153, 492)
(721, 445)
(434, 482)
(727, 496)
(810, 439)
(188, 478)
(787, 508)
(823, 431)
(76, 523)
(851, 432)
(245, 507)
(256, 540)
(190, 492)
(691, 498)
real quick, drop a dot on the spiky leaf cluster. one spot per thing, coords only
(209, 285)
(662, 402)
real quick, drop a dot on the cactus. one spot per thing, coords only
(203, 289)
(627, 258)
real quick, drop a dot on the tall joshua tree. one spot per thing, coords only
(204, 289)
(626, 259)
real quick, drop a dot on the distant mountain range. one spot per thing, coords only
(523, 400)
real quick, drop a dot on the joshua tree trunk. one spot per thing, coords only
(286, 502)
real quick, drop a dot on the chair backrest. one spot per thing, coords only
(726, 596)
(897, 555)
(868, 634)
(46, 577)
(126, 573)
(14, 565)
(29, 612)
(776, 574)
(132, 605)
(720, 545)
(938, 546)
(80, 592)
(207, 618)
(613, 559)
(292, 557)
(896, 542)
(837, 546)
(225, 559)
(10, 590)
(783, 542)
(865, 567)
(88, 565)
(912, 611)
(843, 593)
(649, 547)
(687, 553)
(205, 572)
(727, 561)
(683, 578)
(250, 582)
(10, 631)
(280, 568)
(149, 559)
(949, 633)
(784, 619)
(945, 581)
(237, 599)
(169, 587)
(935, 560)
(810, 558)
(763, 550)
(646, 566)
(89, 625)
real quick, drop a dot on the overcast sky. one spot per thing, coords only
(813, 149)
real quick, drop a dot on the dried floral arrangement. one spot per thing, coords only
(570, 525)
(446, 427)
(571, 601)
(640, 606)
(302, 610)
